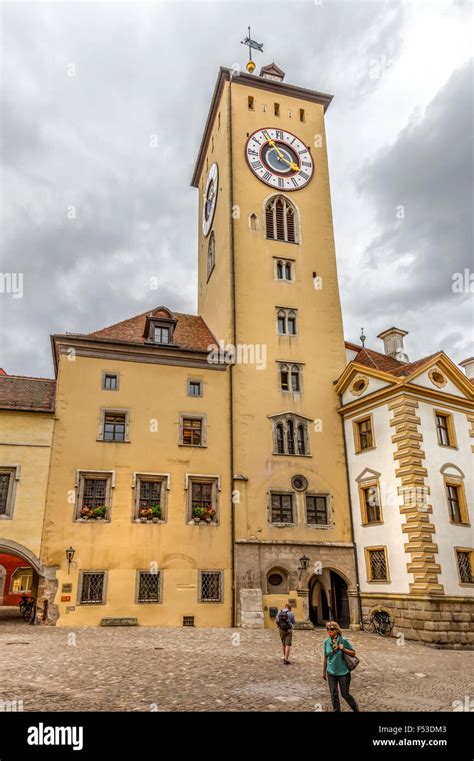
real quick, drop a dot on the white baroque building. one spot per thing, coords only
(409, 429)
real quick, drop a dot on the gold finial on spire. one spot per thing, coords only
(256, 46)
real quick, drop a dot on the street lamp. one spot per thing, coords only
(70, 552)
(304, 563)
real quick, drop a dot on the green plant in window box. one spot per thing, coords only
(209, 514)
(98, 513)
(156, 513)
(198, 513)
(145, 514)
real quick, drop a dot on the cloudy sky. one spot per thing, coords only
(91, 210)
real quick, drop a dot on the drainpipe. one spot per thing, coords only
(350, 510)
(234, 342)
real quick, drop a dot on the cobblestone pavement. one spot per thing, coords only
(171, 669)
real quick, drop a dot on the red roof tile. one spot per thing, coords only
(379, 361)
(191, 332)
(22, 393)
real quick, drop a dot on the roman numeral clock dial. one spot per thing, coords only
(210, 199)
(279, 159)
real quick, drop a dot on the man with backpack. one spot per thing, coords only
(285, 621)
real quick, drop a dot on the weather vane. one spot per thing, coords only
(251, 44)
(362, 337)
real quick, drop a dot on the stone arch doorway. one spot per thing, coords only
(319, 611)
(340, 600)
(24, 572)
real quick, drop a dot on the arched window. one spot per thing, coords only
(253, 221)
(295, 378)
(291, 322)
(281, 322)
(290, 434)
(281, 220)
(288, 275)
(280, 443)
(211, 254)
(301, 440)
(284, 379)
(280, 270)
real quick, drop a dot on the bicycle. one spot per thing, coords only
(28, 609)
(380, 622)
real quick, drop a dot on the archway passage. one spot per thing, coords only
(318, 603)
(17, 578)
(340, 600)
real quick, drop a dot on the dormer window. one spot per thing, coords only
(159, 327)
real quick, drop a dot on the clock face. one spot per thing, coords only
(279, 159)
(210, 198)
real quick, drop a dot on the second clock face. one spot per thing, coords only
(279, 159)
(210, 198)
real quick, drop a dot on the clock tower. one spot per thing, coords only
(268, 291)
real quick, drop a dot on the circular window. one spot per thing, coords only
(359, 385)
(299, 483)
(275, 579)
(437, 377)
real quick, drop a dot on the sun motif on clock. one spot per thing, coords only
(279, 159)
(210, 198)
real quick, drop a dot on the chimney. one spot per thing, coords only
(468, 365)
(393, 343)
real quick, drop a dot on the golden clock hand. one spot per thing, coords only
(291, 164)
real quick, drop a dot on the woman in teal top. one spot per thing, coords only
(335, 669)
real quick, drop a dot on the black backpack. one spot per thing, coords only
(284, 622)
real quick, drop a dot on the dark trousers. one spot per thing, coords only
(342, 682)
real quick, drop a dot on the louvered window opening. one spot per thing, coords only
(92, 591)
(280, 220)
(211, 586)
(378, 565)
(192, 432)
(149, 587)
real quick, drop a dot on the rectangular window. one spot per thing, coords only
(92, 588)
(371, 511)
(114, 426)
(465, 566)
(445, 429)
(161, 335)
(5, 482)
(192, 432)
(210, 586)
(302, 115)
(203, 499)
(150, 497)
(150, 494)
(110, 382)
(149, 586)
(194, 388)
(281, 325)
(292, 325)
(363, 434)
(317, 510)
(93, 498)
(284, 379)
(282, 508)
(377, 565)
(454, 503)
(276, 109)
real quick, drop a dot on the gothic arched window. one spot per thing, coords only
(281, 220)
(290, 434)
(295, 378)
(301, 440)
(211, 254)
(280, 441)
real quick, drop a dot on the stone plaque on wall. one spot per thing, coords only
(251, 608)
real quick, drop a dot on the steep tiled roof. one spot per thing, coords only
(191, 332)
(379, 361)
(23, 393)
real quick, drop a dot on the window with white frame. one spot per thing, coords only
(8, 478)
(286, 322)
(150, 500)
(281, 220)
(94, 496)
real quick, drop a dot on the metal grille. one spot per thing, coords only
(94, 492)
(211, 586)
(378, 565)
(114, 428)
(149, 586)
(192, 431)
(316, 510)
(282, 508)
(365, 434)
(4, 487)
(188, 620)
(92, 591)
(150, 493)
(465, 568)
